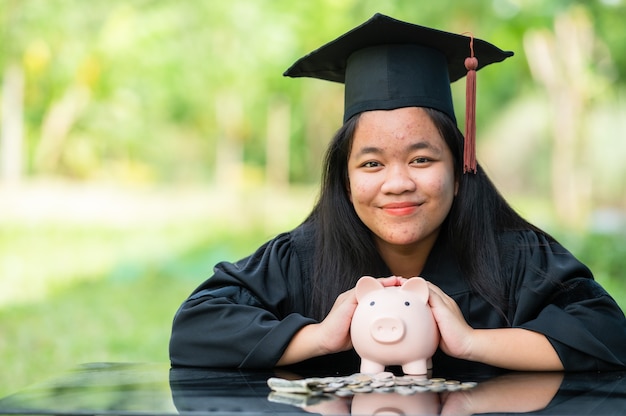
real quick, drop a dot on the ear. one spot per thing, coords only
(418, 286)
(365, 285)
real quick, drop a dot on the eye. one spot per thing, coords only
(407, 303)
(372, 303)
(421, 160)
(371, 164)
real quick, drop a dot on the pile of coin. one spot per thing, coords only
(385, 382)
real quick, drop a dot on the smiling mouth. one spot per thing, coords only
(401, 208)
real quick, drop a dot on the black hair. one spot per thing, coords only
(345, 248)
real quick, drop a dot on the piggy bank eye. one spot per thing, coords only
(372, 303)
(407, 303)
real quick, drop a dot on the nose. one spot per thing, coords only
(387, 330)
(398, 180)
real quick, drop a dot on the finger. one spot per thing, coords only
(434, 288)
(438, 298)
(434, 298)
(437, 291)
(391, 281)
(348, 296)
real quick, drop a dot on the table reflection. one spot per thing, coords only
(155, 389)
(514, 392)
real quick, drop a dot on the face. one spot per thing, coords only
(401, 177)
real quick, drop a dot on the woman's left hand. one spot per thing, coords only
(511, 348)
(456, 334)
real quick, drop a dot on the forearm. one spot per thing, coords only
(303, 345)
(514, 349)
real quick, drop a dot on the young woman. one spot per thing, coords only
(395, 203)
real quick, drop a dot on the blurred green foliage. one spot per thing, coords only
(148, 90)
(605, 254)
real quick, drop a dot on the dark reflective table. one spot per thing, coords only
(155, 389)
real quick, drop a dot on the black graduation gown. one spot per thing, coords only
(245, 315)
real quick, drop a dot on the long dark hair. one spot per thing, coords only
(345, 249)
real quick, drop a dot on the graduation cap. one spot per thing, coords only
(387, 64)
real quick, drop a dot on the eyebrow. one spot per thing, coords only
(413, 146)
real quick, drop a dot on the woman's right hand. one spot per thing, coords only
(335, 328)
(332, 335)
(327, 337)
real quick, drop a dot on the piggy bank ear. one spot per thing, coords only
(365, 285)
(417, 285)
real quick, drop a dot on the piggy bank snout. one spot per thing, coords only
(387, 330)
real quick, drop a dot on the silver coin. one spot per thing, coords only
(437, 387)
(288, 386)
(360, 378)
(385, 375)
(404, 390)
(344, 392)
(362, 389)
(468, 385)
(377, 384)
(404, 382)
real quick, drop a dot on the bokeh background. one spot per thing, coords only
(142, 141)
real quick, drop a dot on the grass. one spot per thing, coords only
(121, 315)
(100, 284)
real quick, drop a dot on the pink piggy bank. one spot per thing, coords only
(394, 326)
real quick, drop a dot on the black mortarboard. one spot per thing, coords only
(386, 64)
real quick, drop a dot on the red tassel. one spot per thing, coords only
(469, 155)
